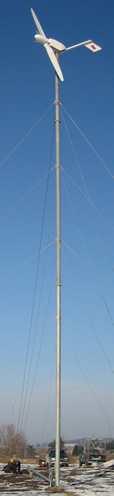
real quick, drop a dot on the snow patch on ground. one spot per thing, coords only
(96, 480)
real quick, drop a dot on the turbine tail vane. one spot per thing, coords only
(93, 47)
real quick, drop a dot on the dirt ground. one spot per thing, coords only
(75, 480)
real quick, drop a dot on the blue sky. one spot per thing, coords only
(27, 149)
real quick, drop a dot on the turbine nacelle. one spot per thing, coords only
(59, 47)
(41, 39)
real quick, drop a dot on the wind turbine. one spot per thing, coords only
(53, 48)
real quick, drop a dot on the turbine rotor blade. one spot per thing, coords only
(54, 61)
(38, 25)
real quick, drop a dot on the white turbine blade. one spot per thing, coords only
(54, 61)
(38, 25)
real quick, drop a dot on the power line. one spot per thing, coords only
(88, 142)
(27, 411)
(49, 394)
(26, 262)
(86, 263)
(88, 195)
(25, 136)
(85, 196)
(36, 326)
(91, 264)
(25, 196)
(92, 326)
(35, 286)
(88, 383)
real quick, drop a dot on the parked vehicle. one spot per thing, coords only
(50, 458)
(94, 450)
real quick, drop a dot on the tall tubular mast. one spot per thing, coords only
(58, 282)
(51, 46)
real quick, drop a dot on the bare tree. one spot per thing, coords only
(12, 442)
